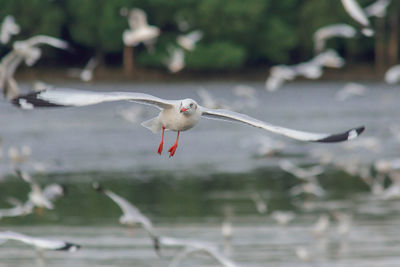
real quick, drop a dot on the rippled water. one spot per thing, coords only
(213, 169)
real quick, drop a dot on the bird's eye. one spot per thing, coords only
(191, 105)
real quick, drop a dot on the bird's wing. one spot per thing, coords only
(44, 39)
(223, 260)
(126, 206)
(356, 12)
(221, 114)
(70, 97)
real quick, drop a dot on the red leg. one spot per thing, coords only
(160, 147)
(173, 148)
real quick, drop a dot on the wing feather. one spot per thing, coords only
(221, 114)
(59, 97)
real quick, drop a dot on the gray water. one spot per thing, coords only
(216, 165)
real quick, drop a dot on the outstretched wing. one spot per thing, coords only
(222, 114)
(60, 97)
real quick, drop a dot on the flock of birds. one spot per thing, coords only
(325, 57)
(181, 115)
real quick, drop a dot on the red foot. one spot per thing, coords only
(172, 150)
(160, 148)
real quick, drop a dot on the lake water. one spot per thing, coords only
(217, 166)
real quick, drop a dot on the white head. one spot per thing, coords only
(188, 106)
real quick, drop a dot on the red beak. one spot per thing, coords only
(183, 109)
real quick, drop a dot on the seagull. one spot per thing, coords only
(209, 101)
(259, 202)
(131, 214)
(140, 31)
(334, 30)
(283, 217)
(303, 254)
(358, 14)
(278, 75)
(321, 226)
(392, 75)
(27, 51)
(18, 156)
(85, 74)
(188, 41)
(349, 90)
(176, 60)
(8, 28)
(300, 173)
(40, 243)
(38, 197)
(18, 209)
(175, 115)
(194, 246)
(377, 9)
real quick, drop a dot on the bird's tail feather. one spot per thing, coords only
(153, 125)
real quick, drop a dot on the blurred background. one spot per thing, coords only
(253, 197)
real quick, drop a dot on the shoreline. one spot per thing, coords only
(108, 74)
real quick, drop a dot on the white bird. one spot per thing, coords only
(334, 30)
(18, 209)
(8, 28)
(140, 31)
(300, 173)
(311, 188)
(266, 146)
(19, 156)
(278, 76)
(38, 197)
(358, 14)
(392, 75)
(131, 214)
(283, 217)
(176, 60)
(349, 90)
(194, 246)
(85, 74)
(188, 41)
(259, 202)
(344, 222)
(175, 115)
(27, 51)
(377, 9)
(328, 58)
(40, 243)
(303, 254)
(132, 114)
(210, 101)
(321, 226)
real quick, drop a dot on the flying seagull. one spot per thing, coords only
(194, 246)
(334, 30)
(175, 115)
(131, 214)
(358, 14)
(140, 31)
(8, 28)
(39, 243)
(28, 51)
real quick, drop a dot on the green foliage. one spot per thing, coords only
(216, 56)
(237, 33)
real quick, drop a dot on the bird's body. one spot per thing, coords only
(175, 115)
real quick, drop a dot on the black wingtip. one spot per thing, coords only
(156, 245)
(98, 187)
(70, 247)
(348, 135)
(32, 100)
